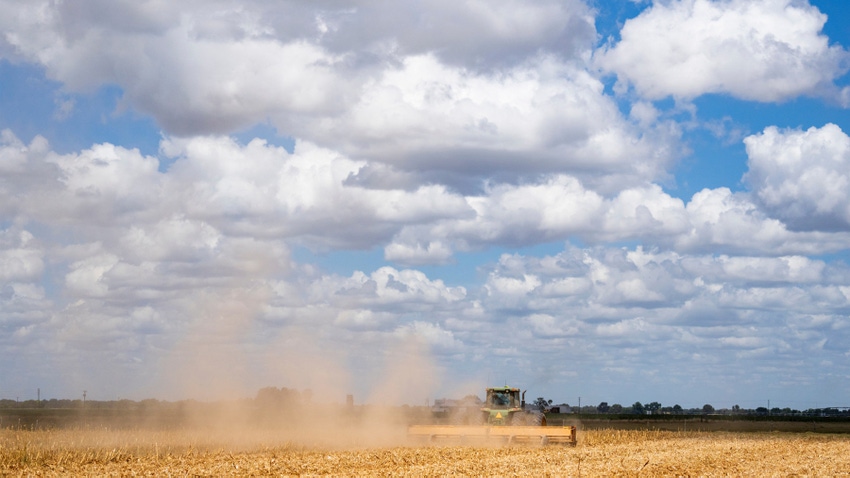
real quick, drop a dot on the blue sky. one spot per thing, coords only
(623, 201)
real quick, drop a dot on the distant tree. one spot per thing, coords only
(616, 408)
(761, 411)
(637, 408)
(736, 409)
(677, 409)
(652, 407)
(706, 409)
(149, 404)
(603, 407)
(267, 396)
(542, 404)
(275, 397)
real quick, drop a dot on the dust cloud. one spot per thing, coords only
(292, 388)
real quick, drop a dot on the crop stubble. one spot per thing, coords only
(104, 452)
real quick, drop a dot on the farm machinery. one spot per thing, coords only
(503, 416)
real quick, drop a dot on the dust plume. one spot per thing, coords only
(212, 359)
(292, 387)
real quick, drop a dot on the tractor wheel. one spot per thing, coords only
(536, 419)
(519, 419)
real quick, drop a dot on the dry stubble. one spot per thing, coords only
(599, 453)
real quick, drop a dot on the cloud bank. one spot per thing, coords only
(424, 136)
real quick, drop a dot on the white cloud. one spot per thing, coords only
(487, 34)
(23, 172)
(470, 33)
(554, 209)
(560, 207)
(372, 83)
(208, 255)
(21, 260)
(217, 187)
(13, 157)
(85, 45)
(793, 269)
(616, 283)
(722, 220)
(628, 328)
(434, 252)
(441, 341)
(648, 210)
(548, 326)
(765, 50)
(537, 117)
(24, 303)
(86, 278)
(513, 213)
(360, 319)
(411, 285)
(172, 239)
(107, 182)
(263, 190)
(506, 288)
(429, 130)
(802, 177)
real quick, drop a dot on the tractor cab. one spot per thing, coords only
(501, 404)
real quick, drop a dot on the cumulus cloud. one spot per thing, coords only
(21, 260)
(86, 45)
(539, 117)
(561, 208)
(648, 308)
(216, 188)
(618, 283)
(802, 177)
(263, 190)
(430, 130)
(766, 50)
(735, 223)
(516, 99)
(431, 334)
(23, 299)
(295, 57)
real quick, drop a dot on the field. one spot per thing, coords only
(384, 451)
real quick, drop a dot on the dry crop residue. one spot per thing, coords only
(599, 453)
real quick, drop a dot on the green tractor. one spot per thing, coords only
(506, 406)
(502, 416)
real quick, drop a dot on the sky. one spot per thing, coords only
(593, 200)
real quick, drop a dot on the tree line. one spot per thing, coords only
(268, 397)
(273, 397)
(655, 408)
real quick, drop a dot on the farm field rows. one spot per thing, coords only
(103, 452)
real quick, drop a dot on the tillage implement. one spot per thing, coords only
(503, 416)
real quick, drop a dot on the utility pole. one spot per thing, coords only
(84, 398)
(579, 404)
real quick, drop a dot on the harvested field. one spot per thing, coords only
(599, 453)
